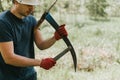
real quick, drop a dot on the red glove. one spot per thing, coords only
(61, 32)
(47, 63)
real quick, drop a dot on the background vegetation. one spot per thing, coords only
(91, 24)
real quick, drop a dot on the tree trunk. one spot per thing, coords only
(1, 7)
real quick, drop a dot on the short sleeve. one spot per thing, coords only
(33, 21)
(5, 32)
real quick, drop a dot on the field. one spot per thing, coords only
(98, 41)
(83, 33)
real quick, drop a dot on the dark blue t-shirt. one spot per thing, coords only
(20, 31)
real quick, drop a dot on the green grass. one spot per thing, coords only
(82, 33)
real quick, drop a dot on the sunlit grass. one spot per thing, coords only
(82, 33)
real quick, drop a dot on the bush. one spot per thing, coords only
(96, 9)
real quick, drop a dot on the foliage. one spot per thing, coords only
(97, 8)
(1, 7)
(82, 33)
(5, 4)
(100, 35)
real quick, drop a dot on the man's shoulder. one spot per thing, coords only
(31, 19)
(4, 20)
(3, 16)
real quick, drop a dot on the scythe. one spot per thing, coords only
(47, 16)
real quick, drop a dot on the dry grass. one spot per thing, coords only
(101, 35)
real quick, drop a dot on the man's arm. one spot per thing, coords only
(7, 52)
(43, 44)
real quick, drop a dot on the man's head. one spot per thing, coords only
(27, 2)
(23, 8)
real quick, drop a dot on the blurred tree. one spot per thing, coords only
(1, 7)
(96, 9)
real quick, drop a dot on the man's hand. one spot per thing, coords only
(61, 32)
(47, 63)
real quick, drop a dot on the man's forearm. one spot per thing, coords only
(47, 43)
(21, 61)
(43, 44)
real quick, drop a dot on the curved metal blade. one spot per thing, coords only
(54, 24)
(68, 43)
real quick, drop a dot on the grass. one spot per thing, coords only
(82, 33)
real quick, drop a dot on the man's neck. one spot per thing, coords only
(14, 12)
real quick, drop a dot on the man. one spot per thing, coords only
(17, 37)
